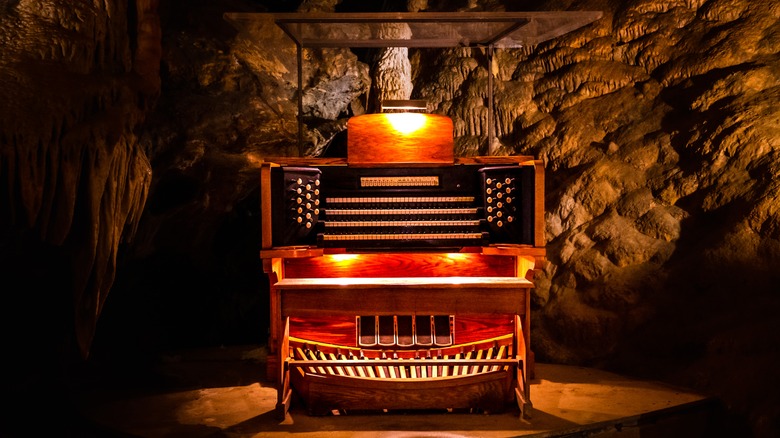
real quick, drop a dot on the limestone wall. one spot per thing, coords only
(659, 126)
(76, 79)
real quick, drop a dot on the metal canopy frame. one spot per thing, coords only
(488, 30)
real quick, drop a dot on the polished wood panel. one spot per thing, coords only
(266, 238)
(393, 284)
(389, 139)
(358, 300)
(471, 328)
(342, 161)
(539, 223)
(336, 330)
(341, 330)
(485, 391)
(449, 352)
(400, 265)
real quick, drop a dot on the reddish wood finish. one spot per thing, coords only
(265, 200)
(341, 330)
(471, 328)
(485, 391)
(445, 299)
(342, 161)
(401, 265)
(539, 224)
(316, 295)
(337, 330)
(375, 139)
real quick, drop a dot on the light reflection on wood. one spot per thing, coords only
(372, 139)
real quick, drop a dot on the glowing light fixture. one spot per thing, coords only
(405, 115)
(396, 138)
(404, 105)
(402, 133)
(406, 123)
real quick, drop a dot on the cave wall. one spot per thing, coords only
(76, 80)
(659, 129)
(659, 126)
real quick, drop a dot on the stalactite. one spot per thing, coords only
(73, 172)
(392, 75)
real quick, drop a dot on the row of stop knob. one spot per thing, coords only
(498, 201)
(307, 201)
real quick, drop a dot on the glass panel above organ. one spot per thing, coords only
(422, 29)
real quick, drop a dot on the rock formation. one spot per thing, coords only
(659, 126)
(77, 79)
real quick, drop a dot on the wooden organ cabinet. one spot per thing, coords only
(401, 285)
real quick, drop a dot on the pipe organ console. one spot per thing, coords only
(399, 287)
(457, 206)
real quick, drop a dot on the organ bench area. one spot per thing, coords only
(401, 287)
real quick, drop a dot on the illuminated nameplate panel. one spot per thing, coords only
(399, 181)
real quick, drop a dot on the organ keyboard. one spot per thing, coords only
(401, 287)
(467, 204)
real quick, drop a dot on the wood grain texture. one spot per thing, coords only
(539, 223)
(372, 139)
(488, 391)
(342, 161)
(356, 300)
(342, 331)
(401, 265)
(265, 206)
(336, 330)
(398, 284)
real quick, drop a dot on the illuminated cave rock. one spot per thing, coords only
(658, 126)
(77, 80)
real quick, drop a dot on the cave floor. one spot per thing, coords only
(223, 393)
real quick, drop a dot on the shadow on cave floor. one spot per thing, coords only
(220, 392)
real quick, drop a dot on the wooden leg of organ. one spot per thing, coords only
(284, 394)
(274, 305)
(523, 388)
(278, 362)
